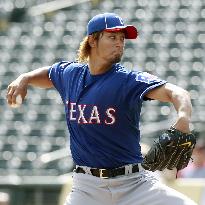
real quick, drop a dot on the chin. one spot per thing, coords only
(117, 59)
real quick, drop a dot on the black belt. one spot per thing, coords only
(108, 173)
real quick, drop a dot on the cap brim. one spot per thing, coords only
(130, 31)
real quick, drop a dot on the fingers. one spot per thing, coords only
(9, 96)
(13, 91)
(15, 94)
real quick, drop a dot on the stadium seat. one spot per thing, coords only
(170, 45)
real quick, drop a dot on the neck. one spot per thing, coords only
(97, 66)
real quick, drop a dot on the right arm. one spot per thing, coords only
(37, 78)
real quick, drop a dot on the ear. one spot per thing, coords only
(91, 41)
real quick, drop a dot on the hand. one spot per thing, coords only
(17, 87)
(182, 124)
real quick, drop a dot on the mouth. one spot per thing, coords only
(118, 52)
(117, 57)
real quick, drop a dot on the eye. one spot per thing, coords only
(112, 37)
(122, 38)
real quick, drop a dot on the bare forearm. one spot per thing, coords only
(182, 103)
(38, 78)
(180, 98)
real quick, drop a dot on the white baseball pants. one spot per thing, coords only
(140, 188)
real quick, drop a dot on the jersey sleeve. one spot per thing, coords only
(57, 74)
(140, 83)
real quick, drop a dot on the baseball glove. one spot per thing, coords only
(173, 149)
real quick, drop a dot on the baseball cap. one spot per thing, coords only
(111, 22)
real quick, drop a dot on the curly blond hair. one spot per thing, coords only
(84, 49)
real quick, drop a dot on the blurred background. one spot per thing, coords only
(35, 163)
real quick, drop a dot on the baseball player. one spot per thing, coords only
(102, 103)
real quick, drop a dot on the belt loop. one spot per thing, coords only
(76, 168)
(87, 170)
(128, 169)
(140, 167)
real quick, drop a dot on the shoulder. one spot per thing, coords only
(136, 75)
(68, 65)
(121, 71)
(119, 68)
(144, 77)
(128, 74)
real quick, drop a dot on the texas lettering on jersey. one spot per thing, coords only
(77, 114)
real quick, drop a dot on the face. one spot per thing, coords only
(110, 46)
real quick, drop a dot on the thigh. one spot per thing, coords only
(171, 196)
(87, 189)
(157, 193)
(77, 197)
(145, 189)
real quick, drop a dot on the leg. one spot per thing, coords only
(143, 189)
(172, 196)
(77, 197)
(89, 190)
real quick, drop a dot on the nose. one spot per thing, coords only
(120, 42)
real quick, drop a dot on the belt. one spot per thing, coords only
(108, 173)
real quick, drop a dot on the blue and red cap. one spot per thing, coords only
(112, 23)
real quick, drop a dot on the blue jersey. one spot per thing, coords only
(102, 112)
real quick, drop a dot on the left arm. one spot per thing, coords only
(180, 98)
